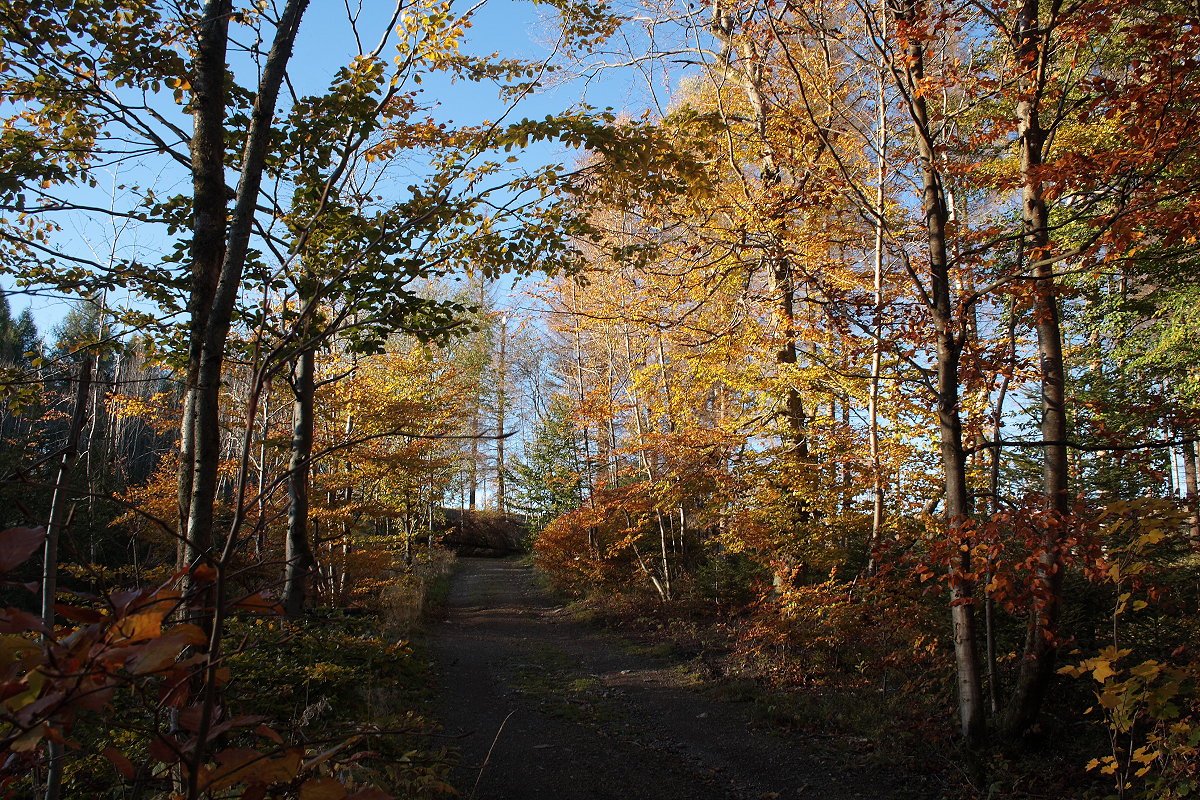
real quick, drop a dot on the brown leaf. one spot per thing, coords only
(190, 717)
(17, 545)
(165, 749)
(237, 766)
(14, 620)
(370, 793)
(205, 573)
(78, 614)
(154, 656)
(98, 695)
(29, 739)
(268, 733)
(173, 691)
(123, 764)
(250, 766)
(159, 654)
(258, 604)
(322, 789)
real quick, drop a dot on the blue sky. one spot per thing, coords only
(512, 28)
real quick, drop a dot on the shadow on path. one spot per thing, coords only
(567, 715)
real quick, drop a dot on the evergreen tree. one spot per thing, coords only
(546, 482)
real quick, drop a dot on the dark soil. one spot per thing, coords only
(541, 706)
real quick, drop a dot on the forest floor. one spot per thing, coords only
(542, 706)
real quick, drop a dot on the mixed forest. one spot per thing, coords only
(866, 358)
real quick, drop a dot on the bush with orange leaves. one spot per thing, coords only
(600, 545)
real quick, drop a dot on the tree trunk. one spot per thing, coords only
(207, 246)
(664, 585)
(1037, 666)
(1190, 485)
(298, 548)
(260, 538)
(994, 493)
(948, 349)
(750, 74)
(501, 403)
(584, 427)
(218, 252)
(877, 491)
(473, 472)
(54, 527)
(211, 330)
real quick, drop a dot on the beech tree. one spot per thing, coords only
(968, 146)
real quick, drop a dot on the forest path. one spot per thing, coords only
(568, 714)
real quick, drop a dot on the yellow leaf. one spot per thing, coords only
(1144, 755)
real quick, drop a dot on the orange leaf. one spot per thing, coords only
(137, 628)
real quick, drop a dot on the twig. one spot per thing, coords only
(488, 758)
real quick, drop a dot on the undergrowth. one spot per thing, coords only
(347, 686)
(822, 675)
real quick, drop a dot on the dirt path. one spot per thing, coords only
(566, 713)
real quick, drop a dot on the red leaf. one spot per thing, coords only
(18, 544)
(123, 764)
